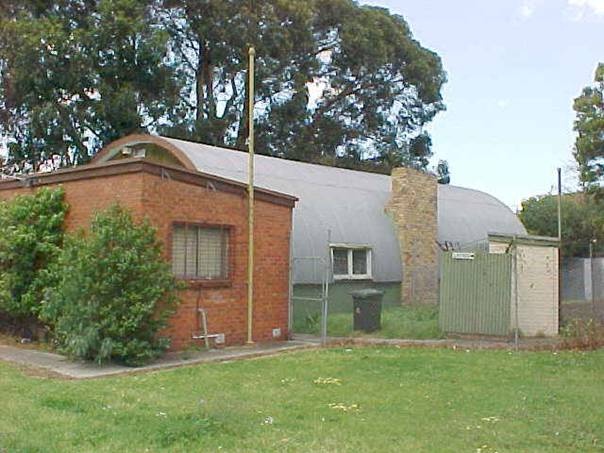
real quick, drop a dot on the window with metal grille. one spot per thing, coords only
(200, 252)
(351, 262)
(340, 261)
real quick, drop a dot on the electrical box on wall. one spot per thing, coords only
(276, 332)
(219, 338)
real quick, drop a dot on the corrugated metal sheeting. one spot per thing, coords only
(346, 206)
(475, 294)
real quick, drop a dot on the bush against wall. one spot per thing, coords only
(112, 292)
(31, 235)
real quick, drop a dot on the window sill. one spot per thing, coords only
(192, 283)
(353, 278)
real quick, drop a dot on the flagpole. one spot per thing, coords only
(250, 191)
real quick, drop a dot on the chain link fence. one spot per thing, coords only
(323, 307)
(582, 287)
(395, 321)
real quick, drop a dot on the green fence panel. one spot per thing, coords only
(475, 293)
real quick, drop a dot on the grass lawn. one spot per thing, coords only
(357, 400)
(419, 322)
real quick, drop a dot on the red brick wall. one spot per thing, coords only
(87, 196)
(165, 201)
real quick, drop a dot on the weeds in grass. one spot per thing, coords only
(344, 407)
(312, 322)
(407, 400)
(328, 381)
(583, 334)
(186, 429)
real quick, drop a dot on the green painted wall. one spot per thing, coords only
(340, 300)
(475, 294)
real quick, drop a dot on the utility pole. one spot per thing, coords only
(559, 244)
(250, 193)
(559, 204)
(591, 270)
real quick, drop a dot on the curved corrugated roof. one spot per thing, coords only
(344, 206)
(466, 216)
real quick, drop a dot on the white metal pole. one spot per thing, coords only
(290, 302)
(593, 286)
(325, 307)
(559, 244)
(515, 289)
(559, 204)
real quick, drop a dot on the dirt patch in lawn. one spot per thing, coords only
(41, 373)
(9, 340)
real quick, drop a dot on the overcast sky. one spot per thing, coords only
(514, 68)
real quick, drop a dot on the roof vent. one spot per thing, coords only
(140, 153)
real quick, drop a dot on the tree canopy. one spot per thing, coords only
(337, 82)
(589, 145)
(582, 212)
(76, 75)
(31, 241)
(582, 220)
(443, 173)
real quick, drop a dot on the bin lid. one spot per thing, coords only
(366, 293)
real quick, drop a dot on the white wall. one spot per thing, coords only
(537, 286)
(537, 290)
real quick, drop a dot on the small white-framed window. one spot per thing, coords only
(351, 262)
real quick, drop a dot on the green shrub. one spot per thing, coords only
(112, 292)
(31, 235)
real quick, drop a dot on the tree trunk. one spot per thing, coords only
(199, 86)
(242, 130)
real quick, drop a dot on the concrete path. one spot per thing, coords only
(524, 344)
(62, 366)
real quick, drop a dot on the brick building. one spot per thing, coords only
(361, 229)
(355, 229)
(202, 220)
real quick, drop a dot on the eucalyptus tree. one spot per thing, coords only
(77, 74)
(589, 145)
(335, 80)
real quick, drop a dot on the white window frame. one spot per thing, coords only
(350, 248)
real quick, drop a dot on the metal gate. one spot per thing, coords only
(475, 293)
(314, 303)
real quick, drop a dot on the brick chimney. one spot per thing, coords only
(413, 208)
